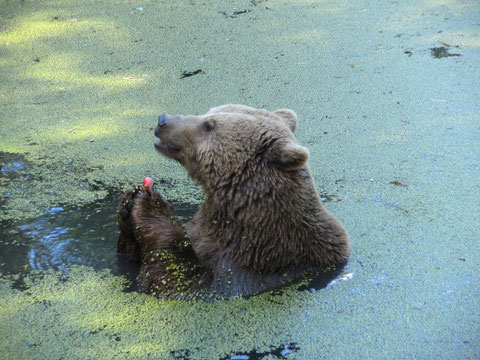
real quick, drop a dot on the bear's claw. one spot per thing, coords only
(127, 202)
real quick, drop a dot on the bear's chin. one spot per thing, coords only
(166, 147)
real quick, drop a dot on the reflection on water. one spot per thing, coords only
(11, 165)
(63, 237)
(12, 170)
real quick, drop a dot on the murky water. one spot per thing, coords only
(64, 236)
(69, 236)
(12, 170)
(280, 352)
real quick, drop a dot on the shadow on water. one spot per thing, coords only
(441, 52)
(279, 352)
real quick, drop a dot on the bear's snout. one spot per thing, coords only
(162, 122)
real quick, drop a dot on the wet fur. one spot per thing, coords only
(262, 223)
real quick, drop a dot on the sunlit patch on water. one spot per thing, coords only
(326, 278)
(342, 277)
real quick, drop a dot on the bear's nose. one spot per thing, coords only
(163, 120)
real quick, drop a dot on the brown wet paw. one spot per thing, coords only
(153, 202)
(127, 201)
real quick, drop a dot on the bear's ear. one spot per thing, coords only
(288, 116)
(291, 157)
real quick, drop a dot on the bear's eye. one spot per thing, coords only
(208, 125)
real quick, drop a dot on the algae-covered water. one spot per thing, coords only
(387, 98)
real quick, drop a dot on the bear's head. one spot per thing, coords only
(231, 141)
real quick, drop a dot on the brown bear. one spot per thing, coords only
(262, 223)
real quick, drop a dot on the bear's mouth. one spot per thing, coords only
(163, 145)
